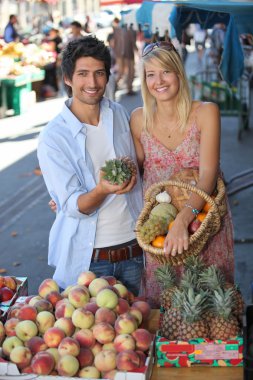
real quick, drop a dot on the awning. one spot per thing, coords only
(105, 3)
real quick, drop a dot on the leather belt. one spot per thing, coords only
(114, 255)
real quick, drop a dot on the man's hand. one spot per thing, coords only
(107, 188)
(52, 205)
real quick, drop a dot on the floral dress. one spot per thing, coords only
(159, 164)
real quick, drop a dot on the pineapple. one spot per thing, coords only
(224, 324)
(172, 319)
(166, 277)
(119, 170)
(152, 228)
(195, 264)
(192, 308)
(190, 279)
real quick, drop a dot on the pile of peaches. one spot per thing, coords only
(8, 287)
(92, 329)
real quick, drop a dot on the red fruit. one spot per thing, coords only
(194, 226)
(6, 294)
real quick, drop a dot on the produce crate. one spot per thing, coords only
(22, 290)
(199, 351)
(248, 343)
(9, 371)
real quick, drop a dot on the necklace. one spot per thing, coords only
(164, 128)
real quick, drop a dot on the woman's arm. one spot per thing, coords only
(136, 122)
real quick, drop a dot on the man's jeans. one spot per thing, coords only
(129, 272)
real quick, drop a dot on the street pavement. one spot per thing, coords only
(25, 218)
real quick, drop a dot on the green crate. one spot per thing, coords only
(16, 97)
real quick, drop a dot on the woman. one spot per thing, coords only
(172, 132)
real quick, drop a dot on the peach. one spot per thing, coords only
(96, 285)
(125, 324)
(85, 338)
(89, 372)
(53, 297)
(65, 309)
(91, 306)
(144, 307)
(111, 279)
(78, 296)
(142, 357)
(107, 298)
(10, 282)
(65, 292)
(44, 321)
(36, 344)
(85, 278)
(105, 360)
(130, 297)
(66, 325)
(82, 318)
(97, 347)
(34, 299)
(21, 356)
(27, 369)
(55, 353)
(6, 294)
(108, 346)
(110, 375)
(10, 326)
(137, 314)
(122, 289)
(111, 287)
(122, 307)
(27, 312)
(3, 330)
(85, 357)
(105, 315)
(104, 332)
(47, 286)
(124, 342)
(69, 346)
(1, 282)
(143, 339)
(53, 336)
(127, 360)
(28, 298)
(25, 330)
(43, 305)
(10, 343)
(14, 310)
(68, 365)
(43, 363)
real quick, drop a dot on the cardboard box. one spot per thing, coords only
(9, 371)
(199, 352)
(22, 290)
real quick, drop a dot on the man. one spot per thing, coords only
(94, 226)
(10, 33)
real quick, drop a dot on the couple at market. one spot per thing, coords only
(95, 220)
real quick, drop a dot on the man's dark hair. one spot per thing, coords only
(76, 24)
(88, 46)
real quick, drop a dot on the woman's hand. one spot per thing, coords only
(177, 239)
(52, 205)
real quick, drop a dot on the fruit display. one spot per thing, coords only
(201, 305)
(92, 329)
(10, 288)
(119, 170)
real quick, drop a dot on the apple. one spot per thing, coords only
(36, 344)
(107, 298)
(122, 289)
(53, 297)
(103, 332)
(6, 294)
(44, 321)
(27, 312)
(122, 307)
(43, 305)
(9, 343)
(85, 338)
(10, 283)
(68, 365)
(53, 336)
(3, 331)
(10, 326)
(79, 296)
(43, 363)
(89, 372)
(144, 307)
(125, 324)
(85, 278)
(47, 286)
(143, 339)
(124, 342)
(137, 314)
(25, 330)
(21, 356)
(65, 309)
(105, 315)
(105, 360)
(85, 357)
(127, 360)
(82, 318)
(66, 325)
(69, 346)
(194, 226)
(96, 285)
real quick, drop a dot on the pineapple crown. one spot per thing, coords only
(190, 280)
(212, 278)
(166, 276)
(222, 302)
(194, 264)
(194, 304)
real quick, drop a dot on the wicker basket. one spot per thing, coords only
(209, 227)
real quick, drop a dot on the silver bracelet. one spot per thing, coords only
(195, 211)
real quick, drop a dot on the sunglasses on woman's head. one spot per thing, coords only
(158, 44)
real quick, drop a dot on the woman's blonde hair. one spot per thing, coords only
(169, 60)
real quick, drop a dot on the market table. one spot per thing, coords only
(193, 373)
